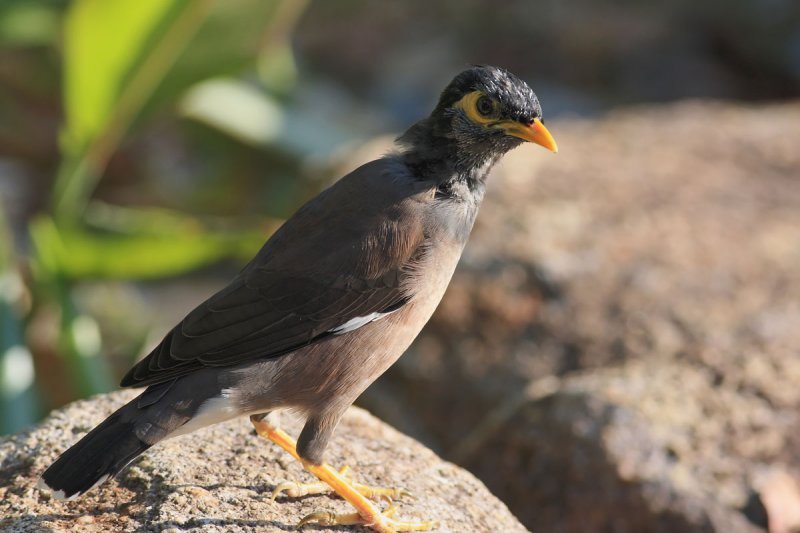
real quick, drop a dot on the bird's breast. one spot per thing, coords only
(392, 336)
(354, 360)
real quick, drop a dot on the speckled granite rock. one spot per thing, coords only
(220, 478)
(655, 447)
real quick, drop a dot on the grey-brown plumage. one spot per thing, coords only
(333, 298)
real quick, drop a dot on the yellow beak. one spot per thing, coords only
(535, 132)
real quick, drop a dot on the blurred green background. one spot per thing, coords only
(148, 148)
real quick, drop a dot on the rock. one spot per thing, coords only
(648, 447)
(220, 479)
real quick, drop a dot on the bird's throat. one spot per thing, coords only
(434, 156)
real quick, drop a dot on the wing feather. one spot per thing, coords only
(321, 270)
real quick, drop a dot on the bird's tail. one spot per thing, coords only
(95, 458)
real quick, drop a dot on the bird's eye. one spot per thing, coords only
(479, 108)
(485, 106)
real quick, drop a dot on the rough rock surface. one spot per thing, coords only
(648, 447)
(220, 479)
(664, 235)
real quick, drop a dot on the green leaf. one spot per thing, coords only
(103, 40)
(115, 55)
(28, 23)
(236, 36)
(123, 59)
(77, 253)
(235, 108)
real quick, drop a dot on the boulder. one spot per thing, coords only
(220, 479)
(647, 447)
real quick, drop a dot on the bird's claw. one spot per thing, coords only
(384, 522)
(293, 489)
(322, 518)
(379, 493)
(327, 518)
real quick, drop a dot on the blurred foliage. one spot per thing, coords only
(139, 251)
(18, 400)
(124, 66)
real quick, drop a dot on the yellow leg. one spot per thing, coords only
(368, 513)
(294, 489)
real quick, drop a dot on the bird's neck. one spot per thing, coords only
(432, 155)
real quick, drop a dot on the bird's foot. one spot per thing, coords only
(382, 522)
(294, 489)
(367, 513)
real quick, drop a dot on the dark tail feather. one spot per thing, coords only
(97, 457)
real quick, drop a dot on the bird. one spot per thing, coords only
(332, 299)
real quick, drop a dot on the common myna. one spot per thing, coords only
(331, 300)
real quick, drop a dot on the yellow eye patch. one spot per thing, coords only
(470, 104)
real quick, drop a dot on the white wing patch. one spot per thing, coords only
(357, 322)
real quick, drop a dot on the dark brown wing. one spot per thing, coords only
(340, 261)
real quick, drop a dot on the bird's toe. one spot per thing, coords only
(382, 523)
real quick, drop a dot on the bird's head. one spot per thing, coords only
(482, 114)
